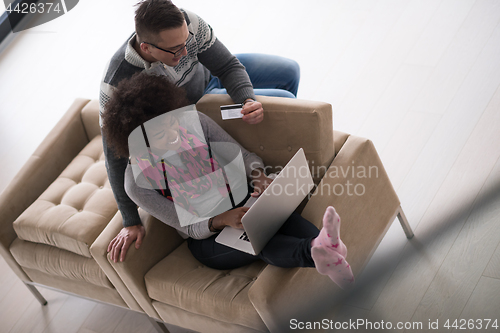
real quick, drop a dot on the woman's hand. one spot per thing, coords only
(231, 218)
(259, 182)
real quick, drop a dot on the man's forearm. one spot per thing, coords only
(116, 172)
(221, 63)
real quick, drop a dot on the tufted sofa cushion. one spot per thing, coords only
(75, 208)
(217, 294)
(54, 261)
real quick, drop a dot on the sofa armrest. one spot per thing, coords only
(366, 212)
(160, 240)
(358, 186)
(99, 251)
(55, 152)
(90, 119)
(282, 294)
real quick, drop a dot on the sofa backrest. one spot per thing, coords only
(90, 119)
(288, 125)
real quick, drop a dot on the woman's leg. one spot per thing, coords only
(288, 252)
(218, 256)
(326, 255)
(281, 251)
(298, 226)
(291, 246)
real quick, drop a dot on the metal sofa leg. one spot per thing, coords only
(404, 223)
(36, 293)
(160, 328)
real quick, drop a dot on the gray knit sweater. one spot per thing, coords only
(163, 209)
(207, 55)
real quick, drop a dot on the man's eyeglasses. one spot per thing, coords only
(179, 51)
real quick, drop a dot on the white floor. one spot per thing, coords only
(420, 78)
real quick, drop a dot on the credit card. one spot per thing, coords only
(232, 111)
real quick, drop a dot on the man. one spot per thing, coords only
(181, 46)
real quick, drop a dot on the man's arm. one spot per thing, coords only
(224, 65)
(133, 229)
(115, 167)
(221, 63)
(132, 226)
(116, 173)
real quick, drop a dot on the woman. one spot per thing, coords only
(145, 97)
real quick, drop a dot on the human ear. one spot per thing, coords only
(145, 48)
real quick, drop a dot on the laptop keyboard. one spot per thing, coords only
(244, 237)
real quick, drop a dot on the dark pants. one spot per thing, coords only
(290, 247)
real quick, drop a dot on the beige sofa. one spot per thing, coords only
(58, 216)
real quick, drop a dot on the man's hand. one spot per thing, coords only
(252, 111)
(259, 182)
(118, 247)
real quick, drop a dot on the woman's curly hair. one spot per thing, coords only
(135, 101)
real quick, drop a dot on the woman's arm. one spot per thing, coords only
(215, 133)
(162, 208)
(254, 166)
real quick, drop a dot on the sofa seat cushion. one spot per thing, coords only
(75, 208)
(180, 280)
(54, 261)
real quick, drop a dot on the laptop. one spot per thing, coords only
(272, 208)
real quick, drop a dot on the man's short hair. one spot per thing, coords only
(154, 16)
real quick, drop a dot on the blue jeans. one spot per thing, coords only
(270, 76)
